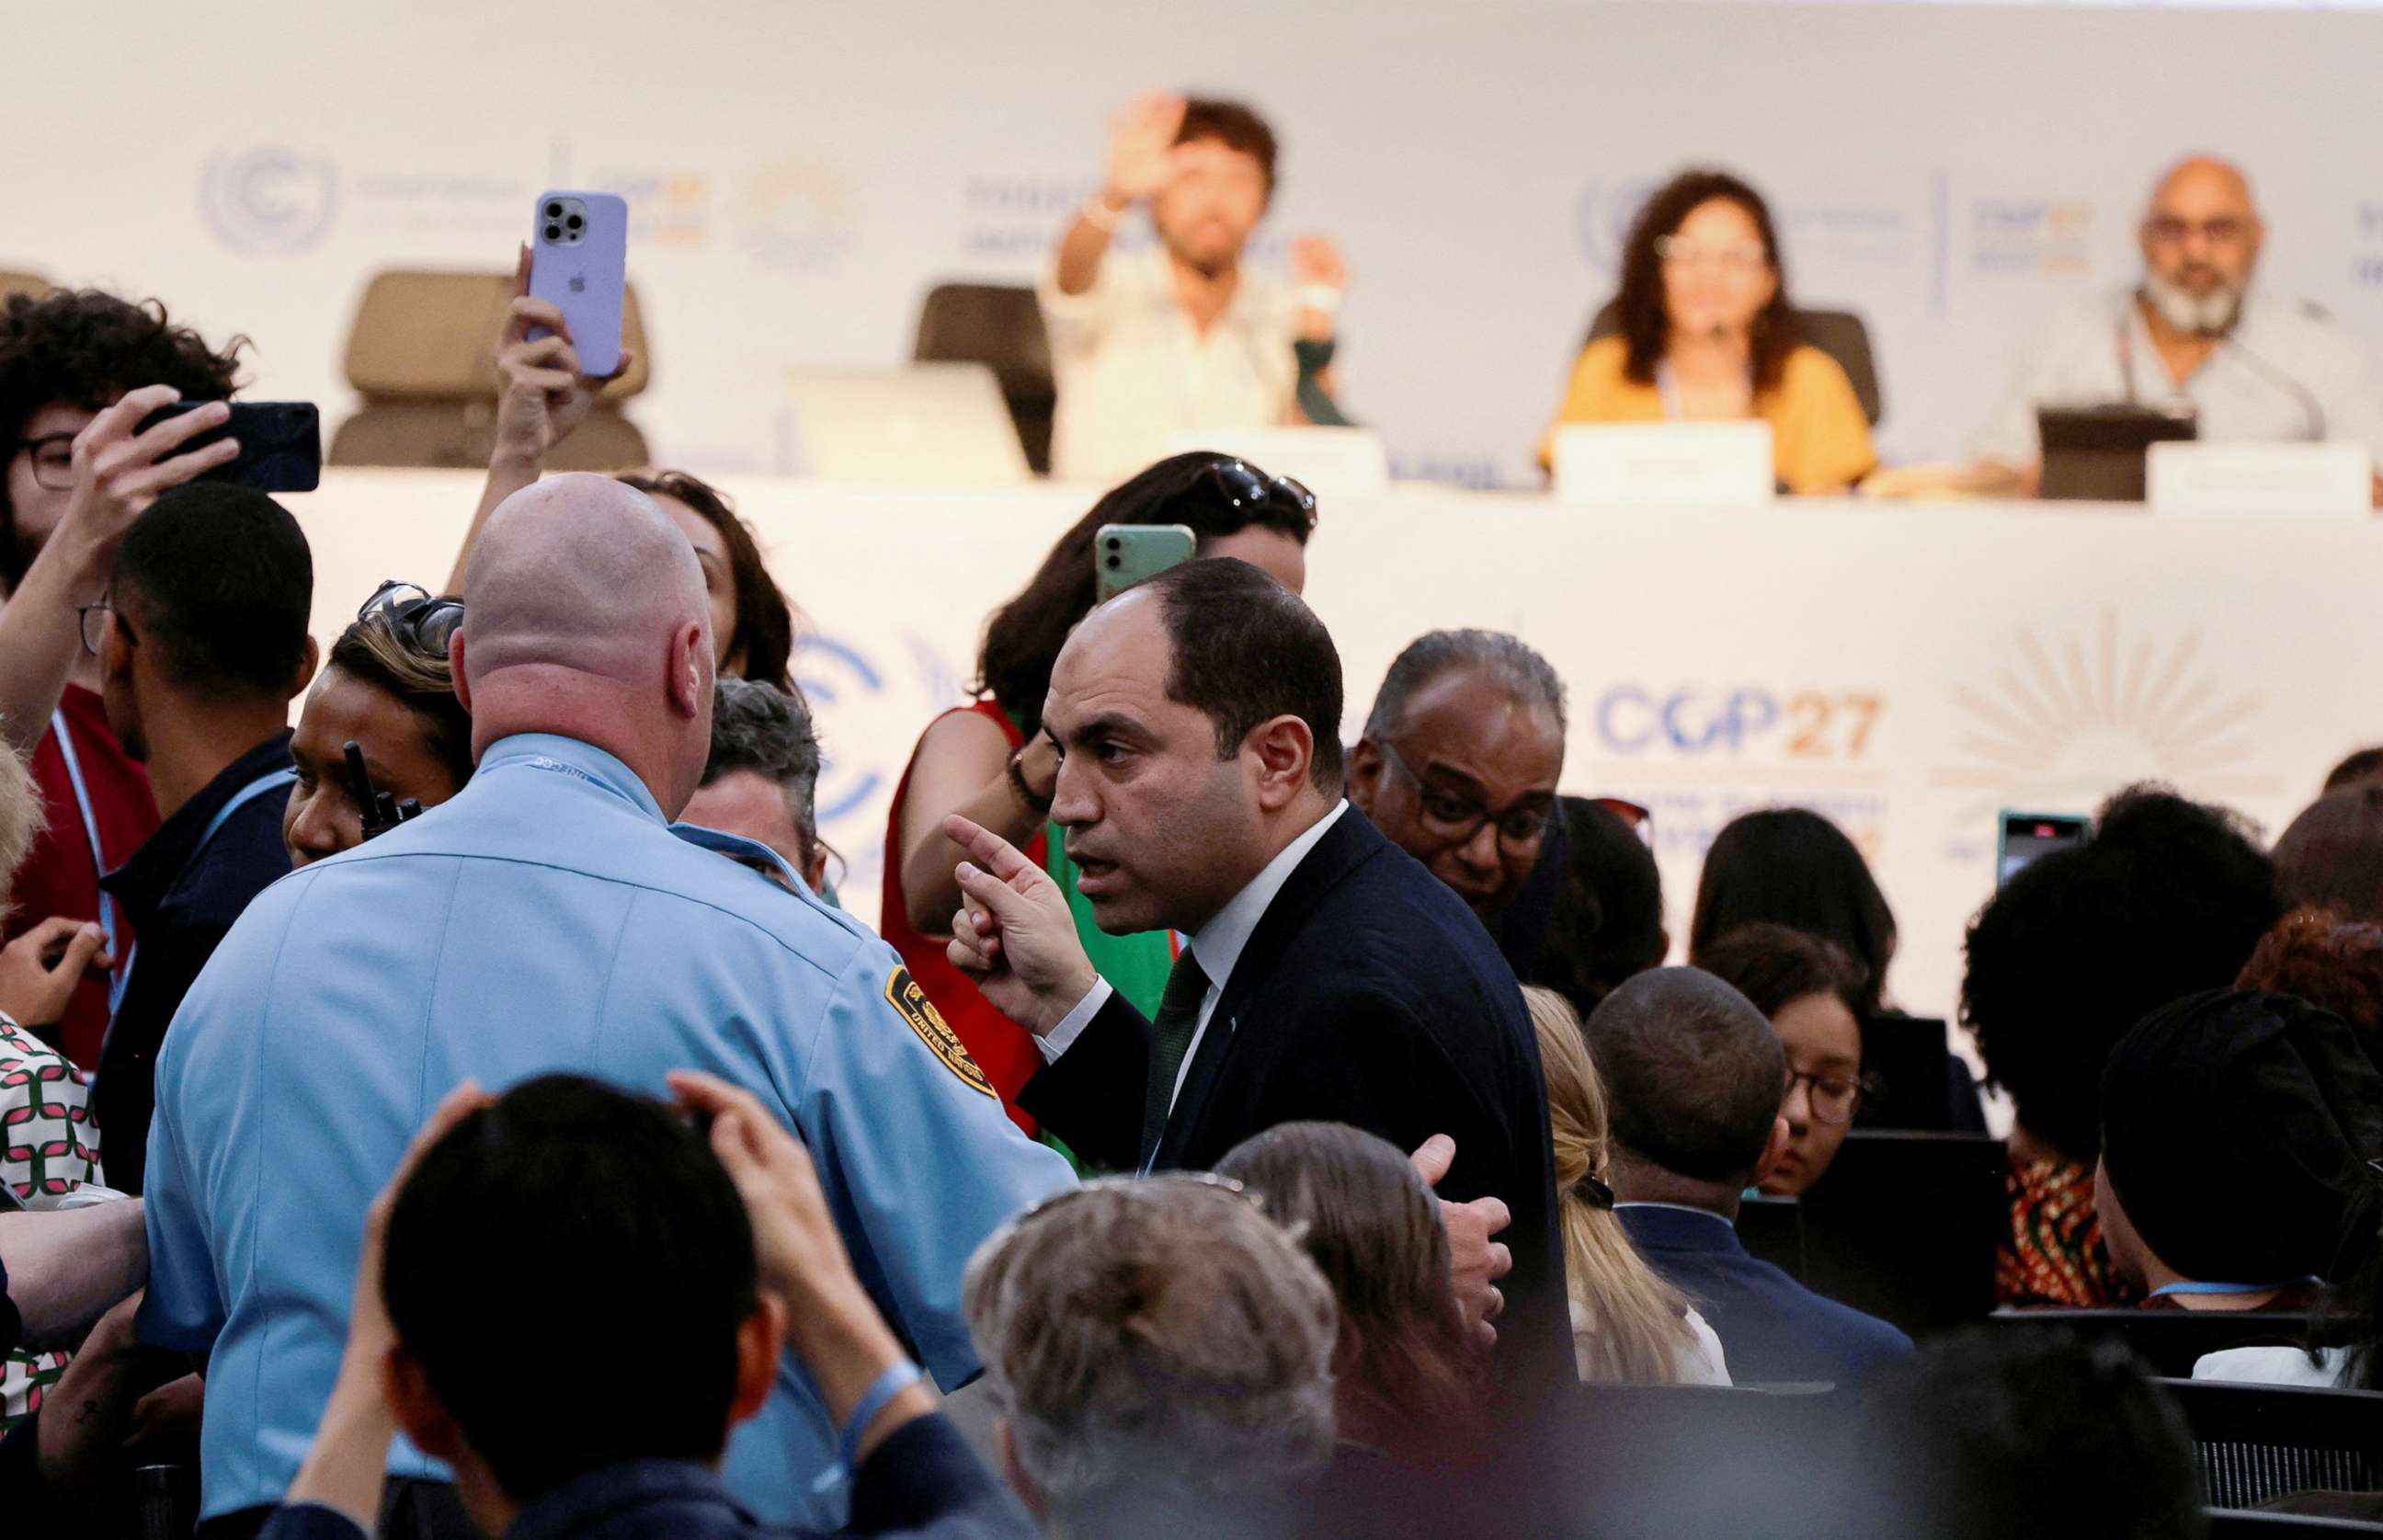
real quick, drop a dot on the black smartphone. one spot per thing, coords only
(280, 443)
(2028, 836)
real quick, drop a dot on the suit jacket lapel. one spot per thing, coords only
(1348, 844)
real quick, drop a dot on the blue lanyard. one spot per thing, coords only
(269, 780)
(2230, 1287)
(107, 924)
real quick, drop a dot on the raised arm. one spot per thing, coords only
(1142, 161)
(541, 398)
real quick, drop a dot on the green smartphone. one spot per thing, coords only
(1125, 554)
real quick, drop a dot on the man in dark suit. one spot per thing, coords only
(1328, 976)
(1696, 1078)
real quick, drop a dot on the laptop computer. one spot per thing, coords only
(2097, 453)
(927, 425)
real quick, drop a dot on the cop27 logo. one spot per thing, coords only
(1694, 720)
(268, 200)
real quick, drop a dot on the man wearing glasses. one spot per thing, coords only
(83, 369)
(1458, 766)
(2189, 333)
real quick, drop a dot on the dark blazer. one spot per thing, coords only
(1368, 994)
(1772, 1329)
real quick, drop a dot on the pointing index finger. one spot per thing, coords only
(988, 849)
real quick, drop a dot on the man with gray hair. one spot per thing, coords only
(762, 779)
(546, 918)
(1161, 1354)
(1458, 766)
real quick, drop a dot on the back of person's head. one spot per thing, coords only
(1636, 1323)
(2238, 1130)
(588, 618)
(1791, 866)
(216, 581)
(2164, 899)
(1643, 313)
(2358, 769)
(1696, 1074)
(84, 348)
(1243, 651)
(22, 817)
(761, 728)
(1159, 1350)
(1198, 490)
(387, 649)
(1508, 663)
(493, 1244)
(2328, 961)
(1774, 965)
(763, 644)
(1993, 1433)
(1607, 923)
(2332, 854)
(1234, 126)
(1363, 1212)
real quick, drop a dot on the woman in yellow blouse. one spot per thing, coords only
(1707, 335)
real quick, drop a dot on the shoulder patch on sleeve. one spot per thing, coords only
(910, 1002)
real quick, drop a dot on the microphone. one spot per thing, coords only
(2284, 382)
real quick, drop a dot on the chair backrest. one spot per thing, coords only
(21, 283)
(448, 435)
(1904, 1226)
(1915, 1080)
(999, 326)
(424, 336)
(2258, 1442)
(1841, 334)
(2168, 1341)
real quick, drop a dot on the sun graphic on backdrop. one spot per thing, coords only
(2062, 722)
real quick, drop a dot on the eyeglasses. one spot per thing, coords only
(1242, 483)
(53, 456)
(1454, 818)
(2165, 230)
(1834, 1098)
(90, 620)
(420, 623)
(1676, 252)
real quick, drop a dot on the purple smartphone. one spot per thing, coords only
(579, 256)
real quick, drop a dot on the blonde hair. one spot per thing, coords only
(1637, 1328)
(22, 817)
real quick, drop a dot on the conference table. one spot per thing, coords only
(1908, 669)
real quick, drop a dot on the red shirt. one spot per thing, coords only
(61, 877)
(1004, 1050)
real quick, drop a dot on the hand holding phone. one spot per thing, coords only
(543, 394)
(276, 446)
(578, 264)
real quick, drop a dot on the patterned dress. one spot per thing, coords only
(2054, 1254)
(47, 1146)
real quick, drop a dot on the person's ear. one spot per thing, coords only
(117, 646)
(690, 681)
(815, 873)
(760, 1342)
(420, 1414)
(307, 666)
(1366, 766)
(1286, 756)
(456, 666)
(1029, 1496)
(1776, 1151)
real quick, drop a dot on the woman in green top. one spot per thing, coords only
(990, 761)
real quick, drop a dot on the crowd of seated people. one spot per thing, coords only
(470, 1111)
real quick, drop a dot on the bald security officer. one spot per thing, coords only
(547, 918)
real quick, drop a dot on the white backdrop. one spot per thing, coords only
(1909, 670)
(803, 171)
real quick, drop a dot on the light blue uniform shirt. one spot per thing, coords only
(543, 919)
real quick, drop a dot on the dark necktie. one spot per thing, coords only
(1170, 1039)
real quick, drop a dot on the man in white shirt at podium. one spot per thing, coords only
(2192, 333)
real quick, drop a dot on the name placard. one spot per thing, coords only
(1664, 464)
(1340, 461)
(2326, 481)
